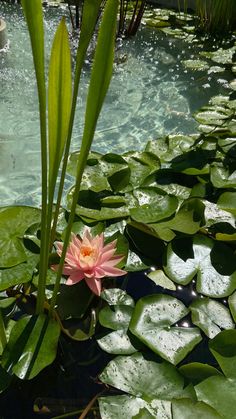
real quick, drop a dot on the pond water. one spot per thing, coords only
(151, 94)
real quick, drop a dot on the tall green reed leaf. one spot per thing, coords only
(89, 20)
(34, 18)
(59, 100)
(99, 83)
(59, 110)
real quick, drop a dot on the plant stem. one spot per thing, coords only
(43, 247)
(3, 337)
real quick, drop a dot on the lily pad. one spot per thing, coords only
(198, 65)
(212, 262)
(186, 409)
(117, 343)
(160, 279)
(14, 221)
(164, 207)
(151, 323)
(32, 346)
(116, 296)
(211, 316)
(18, 274)
(116, 317)
(220, 394)
(144, 379)
(221, 177)
(227, 202)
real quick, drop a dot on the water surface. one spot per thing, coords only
(151, 95)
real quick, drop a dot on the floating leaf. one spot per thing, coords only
(151, 320)
(144, 379)
(220, 394)
(198, 65)
(160, 279)
(196, 372)
(73, 301)
(14, 221)
(32, 346)
(212, 262)
(116, 296)
(222, 178)
(227, 202)
(119, 407)
(185, 409)
(18, 274)
(224, 350)
(117, 343)
(164, 207)
(116, 317)
(211, 316)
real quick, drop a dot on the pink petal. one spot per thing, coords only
(112, 262)
(87, 236)
(105, 256)
(99, 272)
(109, 246)
(75, 240)
(75, 277)
(110, 271)
(69, 270)
(95, 285)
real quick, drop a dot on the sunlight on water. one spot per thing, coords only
(150, 95)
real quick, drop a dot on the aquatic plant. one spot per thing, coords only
(216, 16)
(171, 209)
(40, 332)
(89, 259)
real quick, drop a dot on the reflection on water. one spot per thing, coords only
(150, 95)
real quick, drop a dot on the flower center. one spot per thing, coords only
(86, 251)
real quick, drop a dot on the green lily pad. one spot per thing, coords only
(198, 65)
(164, 207)
(186, 409)
(227, 202)
(151, 320)
(120, 407)
(187, 220)
(212, 262)
(73, 301)
(116, 317)
(19, 274)
(222, 178)
(224, 350)
(232, 305)
(159, 278)
(134, 263)
(196, 372)
(210, 117)
(14, 221)
(144, 379)
(211, 316)
(32, 346)
(220, 394)
(117, 343)
(116, 296)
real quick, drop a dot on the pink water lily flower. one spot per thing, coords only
(89, 259)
